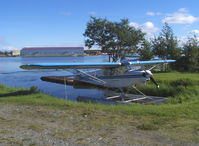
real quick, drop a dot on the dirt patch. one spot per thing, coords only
(41, 125)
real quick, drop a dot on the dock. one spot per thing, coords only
(133, 98)
(129, 99)
(110, 97)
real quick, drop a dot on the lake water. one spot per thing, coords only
(12, 75)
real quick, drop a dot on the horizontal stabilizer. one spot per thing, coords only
(150, 62)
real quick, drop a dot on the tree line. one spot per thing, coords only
(5, 53)
(119, 39)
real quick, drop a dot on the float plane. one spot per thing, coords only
(107, 74)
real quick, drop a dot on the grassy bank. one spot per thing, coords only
(180, 87)
(176, 120)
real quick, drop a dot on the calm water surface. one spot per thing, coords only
(12, 75)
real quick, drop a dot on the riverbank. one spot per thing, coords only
(30, 117)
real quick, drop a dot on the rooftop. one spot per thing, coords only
(33, 48)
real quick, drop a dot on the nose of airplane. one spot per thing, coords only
(150, 75)
(148, 72)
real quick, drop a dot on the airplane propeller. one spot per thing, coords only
(148, 72)
(154, 81)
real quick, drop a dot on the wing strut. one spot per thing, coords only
(91, 77)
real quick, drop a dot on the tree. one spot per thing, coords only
(115, 38)
(190, 61)
(146, 51)
(166, 44)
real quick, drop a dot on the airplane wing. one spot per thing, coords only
(71, 65)
(89, 64)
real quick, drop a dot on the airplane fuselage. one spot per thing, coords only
(130, 78)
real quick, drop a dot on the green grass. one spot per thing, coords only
(181, 87)
(178, 118)
(176, 75)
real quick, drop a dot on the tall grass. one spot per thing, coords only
(178, 86)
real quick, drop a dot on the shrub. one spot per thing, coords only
(182, 82)
(34, 89)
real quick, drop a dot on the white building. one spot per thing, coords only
(52, 51)
(15, 53)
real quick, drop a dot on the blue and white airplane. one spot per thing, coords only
(109, 77)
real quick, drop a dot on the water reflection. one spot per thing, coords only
(12, 75)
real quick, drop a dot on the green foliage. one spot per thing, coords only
(166, 47)
(34, 89)
(190, 60)
(180, 86)
(115, 38)
(151, 90)
(166, 44)
(182, 82)
(118, 39)
(146, 51)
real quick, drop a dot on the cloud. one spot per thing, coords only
(183, 10)
(153, 13)
(182, 40)
(180, 17)
(148, 27)
(92, 13)
(133, 24)
(8, 48)
(2, 40)
(4, 46)
(66, 13)
(196, 31)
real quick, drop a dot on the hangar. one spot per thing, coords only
(52, 51)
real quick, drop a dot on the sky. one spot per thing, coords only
(39, 23)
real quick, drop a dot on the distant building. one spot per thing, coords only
(15, 53)
(52, 51)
